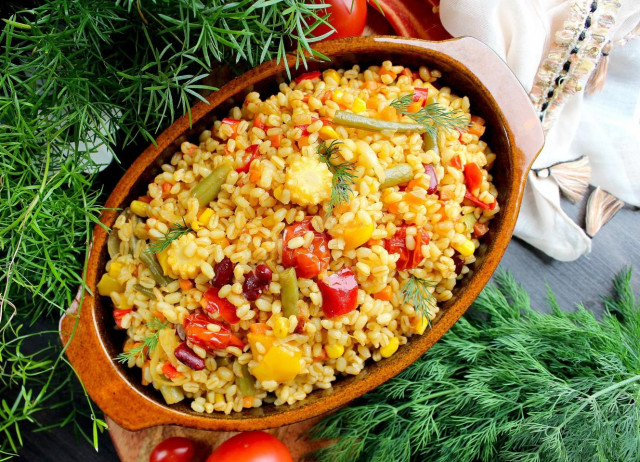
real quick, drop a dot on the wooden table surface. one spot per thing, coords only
(584, 280)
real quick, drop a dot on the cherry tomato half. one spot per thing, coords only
(347, 16)
(175, 449)
(251, 447)
(397, 244)
(308, 262)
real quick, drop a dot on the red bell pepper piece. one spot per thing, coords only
(215, 305)
(308, 262)
(195, 326)
(170, 371)
(233, 123)
(420, 94)
(258, 122)
(339, 293)
(250, 154)
(118, 315)
(477, 202)
(398, 244)
(308, 76)
(433, 178)
(472, 176)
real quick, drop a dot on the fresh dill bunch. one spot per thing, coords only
(176, 230)
(433, 116)
(416, 293)
(344, 177)
(507, 383)
(148, 344)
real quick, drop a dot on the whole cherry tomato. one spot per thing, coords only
(347, 16)
(174, 449)
(251, 447)
(339, 293)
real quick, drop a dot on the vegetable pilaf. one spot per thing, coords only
(305, 234)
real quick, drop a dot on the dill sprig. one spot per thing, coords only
(433, 116)
(344, 177)
(507, 383)
(77, 75)
(416, 293)
(147, 345)
(176, 230)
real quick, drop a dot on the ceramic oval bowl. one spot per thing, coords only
(513, 132)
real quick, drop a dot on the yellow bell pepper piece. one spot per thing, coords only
(280, 364)
(328, 133)
(163, 259)
(334, 351)
(465, 248)
(108, 284)
(114, 269)
(357, 233)
(333, 75)
(359, 105)
(265, 341)
(281, 327)
(421, 324)
(391, 348)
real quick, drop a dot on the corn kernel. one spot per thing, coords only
(337, 95)
(422, 324)
(331, 74)
(114, 269)
(205, 216)
(281, 327)
(140, 208)
(358, 105)
(465, 248)
(328, 133)
(219, 398)
(334, 351)
(196, 226)
(391, 348)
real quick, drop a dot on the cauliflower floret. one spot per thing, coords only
(184, 257)
(309, 181)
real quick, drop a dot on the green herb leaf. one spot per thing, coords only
(344, 177)
(176, 230)
(507, 383)
(148, 344)
(416, 293)
(433, 116)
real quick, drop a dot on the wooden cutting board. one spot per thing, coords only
(137, 446)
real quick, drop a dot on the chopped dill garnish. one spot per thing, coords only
(148, 344)
(344, 176)
(176, 231)
(416, 293)
(433, 116)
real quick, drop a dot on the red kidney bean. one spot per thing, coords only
(223, 273)
(188, 357)
(252, 287)
(264, 273)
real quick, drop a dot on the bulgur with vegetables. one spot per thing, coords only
(304, 235)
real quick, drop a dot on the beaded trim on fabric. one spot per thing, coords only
(573, 56)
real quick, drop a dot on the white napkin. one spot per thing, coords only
(604, 126)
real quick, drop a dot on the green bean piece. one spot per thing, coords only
(144, 291)
(209, 187)
(150, 261)
(220, 361)
(349, 119)
(398, 174)
(430, 142)
(289, 292)
(245, 383)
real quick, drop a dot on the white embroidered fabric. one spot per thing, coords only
(604, 126)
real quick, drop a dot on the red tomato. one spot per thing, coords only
(398, 244)
(213, 304)
(250, 154)
(472, 176)
(118, 315)
(339, 293)
(251, 447)
(175, 449)
(348, 17)
(195, 326)
(477, 202)
(308, 262)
